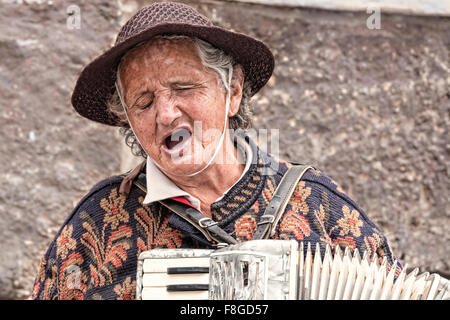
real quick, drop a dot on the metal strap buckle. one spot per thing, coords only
(201, 224)
(270, 220)
(222, 245)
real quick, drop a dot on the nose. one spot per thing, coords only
(167, 109)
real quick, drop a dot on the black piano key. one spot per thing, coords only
(187, 287)
(182, 270)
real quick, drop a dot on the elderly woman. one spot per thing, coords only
(179, 87)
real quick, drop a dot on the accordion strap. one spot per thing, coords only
(269, 220)
(205, 225)
(208, 227)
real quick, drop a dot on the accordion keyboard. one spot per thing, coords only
(280, 270)
(171, 274)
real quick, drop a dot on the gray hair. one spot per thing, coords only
(211, 57)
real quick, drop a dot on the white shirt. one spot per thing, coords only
(160, 187)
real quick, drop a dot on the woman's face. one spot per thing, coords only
(176, 105)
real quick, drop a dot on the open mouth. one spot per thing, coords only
(177, 139)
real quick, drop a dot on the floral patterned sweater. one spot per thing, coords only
(94, 254)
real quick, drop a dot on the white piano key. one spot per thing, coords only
(374, 263)
(388, 283)
(161, 293)
(325, 274)
(308, 272)
(374, 266)
(315, 277)
(357, 254)
(431, 293)
(419, 286)
(164, 279)
(408, 284)
(377, 285)
(334, 275)
(301, 271)
(357, 287)
(360, 277)
(446, 295)
(367, 281)
(367, 285)
(293, 255)
(343, 274)
(352, 276)
(384, 262)
(161, 265)
(443, 290)
(398, 285)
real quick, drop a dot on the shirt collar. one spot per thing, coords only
(160, 187)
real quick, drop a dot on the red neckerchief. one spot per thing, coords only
(183, 200)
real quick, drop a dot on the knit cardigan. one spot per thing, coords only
(94, 254)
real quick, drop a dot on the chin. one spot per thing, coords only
(182, 169)
(186, 164)
(184, 158)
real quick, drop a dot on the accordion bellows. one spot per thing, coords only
(279, 270)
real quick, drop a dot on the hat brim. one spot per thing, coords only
(96, 82)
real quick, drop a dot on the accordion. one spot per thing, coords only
(279, 270)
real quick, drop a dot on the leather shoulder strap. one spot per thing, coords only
(129, 178)
(208, 227)
(205, 225)
(269, 220)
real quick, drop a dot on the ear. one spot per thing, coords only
(237, 86)
(122, 117)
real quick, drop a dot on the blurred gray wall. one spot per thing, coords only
(370, 107)
(49, 156)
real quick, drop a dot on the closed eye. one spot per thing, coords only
(143, 102)
(180, 86)
(145, 106)
(184, 88)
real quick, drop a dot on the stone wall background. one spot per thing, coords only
(371, 108)
(50, 157)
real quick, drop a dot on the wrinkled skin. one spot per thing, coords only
(166, 87)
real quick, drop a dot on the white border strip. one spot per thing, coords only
(419, 7)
